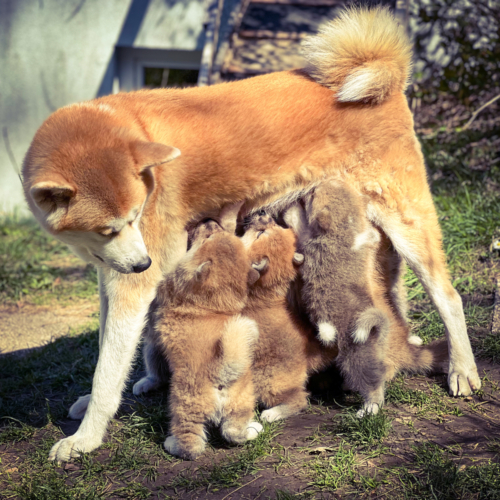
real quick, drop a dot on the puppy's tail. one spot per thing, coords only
(368, 320)
(430, 357)
(363, 55)
(235, 349)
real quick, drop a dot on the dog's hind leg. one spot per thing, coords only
(129, 298)
(418, 240)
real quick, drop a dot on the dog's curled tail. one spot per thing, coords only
(364, 55)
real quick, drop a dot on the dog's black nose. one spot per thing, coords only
(139, 268)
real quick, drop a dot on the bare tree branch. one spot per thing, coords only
(474, 115)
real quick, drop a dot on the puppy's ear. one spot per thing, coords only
(151, 154)
(202, 271)
(52, 196)
(298, 258)
(229, 215)
(253, 276)
(262, 265)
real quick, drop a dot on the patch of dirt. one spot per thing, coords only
(31, 326)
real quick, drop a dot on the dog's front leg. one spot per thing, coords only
(78, 409)
(129, 297)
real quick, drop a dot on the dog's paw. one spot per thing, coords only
(369, 409)
(463, 382)
(194, 450)
(78, 409)
(144, 385)
(72, 446)
(253, 430)
(274, 414)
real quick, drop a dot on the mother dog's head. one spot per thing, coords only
(87, 180)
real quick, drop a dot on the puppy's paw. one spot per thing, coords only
(463, 382)
(144, 385)
(78, 409)
(293, 217)
(415, 340)
(275, 413)
(369, 409)
(189, 451)
(253, 430)
(73, 446)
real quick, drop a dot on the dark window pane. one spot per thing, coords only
(170, 77)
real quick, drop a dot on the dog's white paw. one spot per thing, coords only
(463, 382)
(73, 446)
(78, 409)
(253, 430)
(273, 414)
(144, 385)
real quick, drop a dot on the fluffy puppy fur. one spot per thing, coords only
(287, 350)
(340, 286)
(207, 342)
(340, 246)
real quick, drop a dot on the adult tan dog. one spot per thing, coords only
(96, 176)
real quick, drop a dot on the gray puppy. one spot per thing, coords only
(340, 246)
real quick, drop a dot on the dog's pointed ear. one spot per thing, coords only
(151, 154)
(202, 271)
(262, 265)
(50, 196)
(253, 276)
(298, 258)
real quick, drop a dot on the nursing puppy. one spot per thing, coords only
(288, 350)
(340, 285)
(340, 247)
(107, 177)
(199, 328)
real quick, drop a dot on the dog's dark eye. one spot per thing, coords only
(262, 212)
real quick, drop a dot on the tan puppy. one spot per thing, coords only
(207, 342)
(96, 177)
(287, 350)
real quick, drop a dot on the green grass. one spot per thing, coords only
(432, 403)
(366, 431)
(334, 472)
(30, 266)
(440, 475)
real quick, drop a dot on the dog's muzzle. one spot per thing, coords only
(143, 266)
